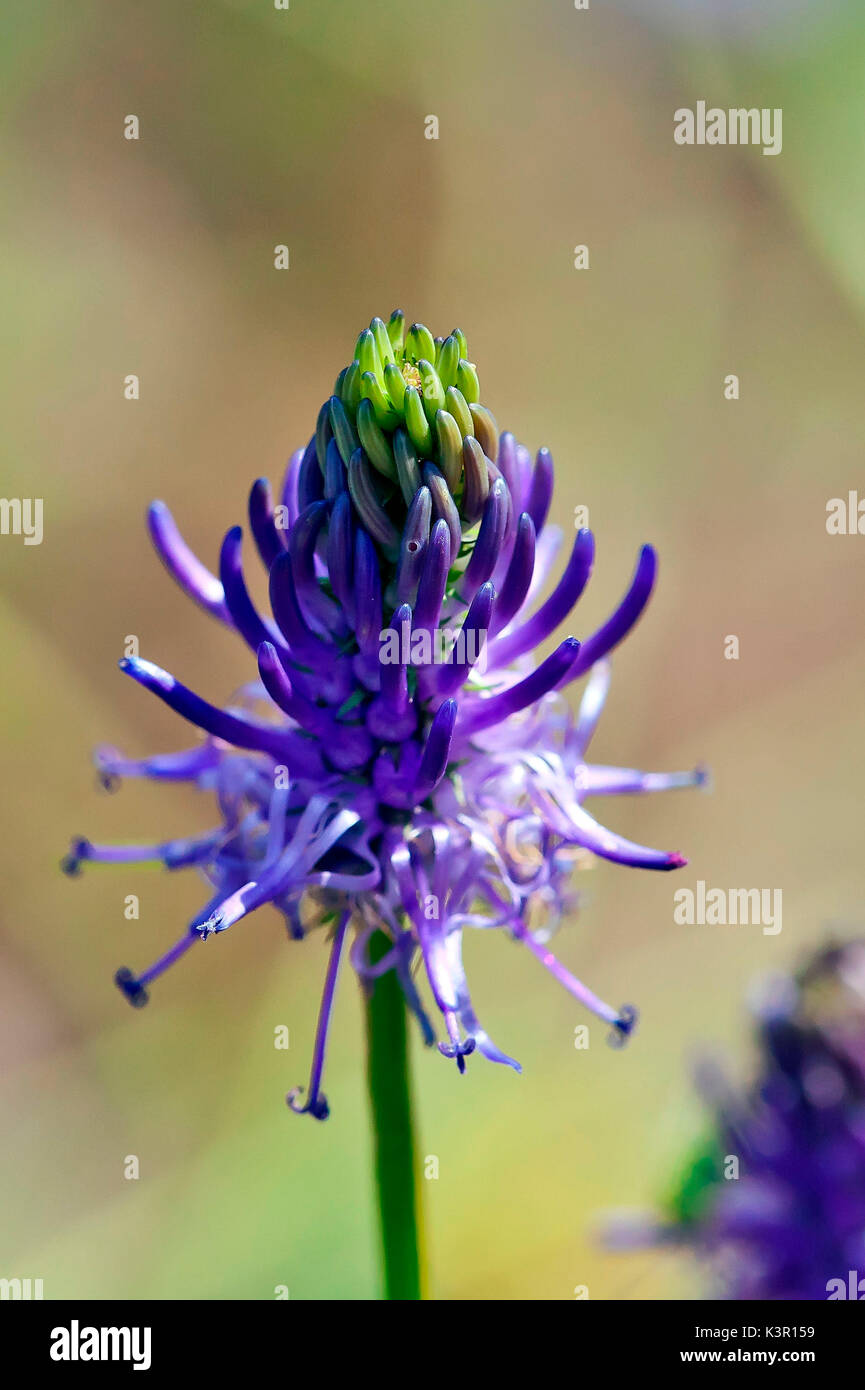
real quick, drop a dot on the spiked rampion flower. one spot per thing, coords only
(402, 765)
(774, 1201)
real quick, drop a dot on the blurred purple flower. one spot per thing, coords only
(775, 1199)
(360, 780)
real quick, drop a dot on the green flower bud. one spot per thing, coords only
(366, 355)
(432, 391)
(370, 388)
(394, 385)
(416, 423)
(467, 381)
(395, 327)
(419, 343)
(448, 362)
(450, 448)
(457, 405)
(382, 341)
(375, 444)
(349, 393)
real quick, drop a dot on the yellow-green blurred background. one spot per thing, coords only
(155, 257)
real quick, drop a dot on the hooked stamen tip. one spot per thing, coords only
(623, 1026)
(316, 1106)
(70, 864)
(131, 987)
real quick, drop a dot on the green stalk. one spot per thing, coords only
(396, 1160)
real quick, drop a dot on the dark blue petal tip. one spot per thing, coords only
(131, 987)
(70, 864)
(624, 1026)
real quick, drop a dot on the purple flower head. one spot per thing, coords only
(402, 764)
(774, 1200)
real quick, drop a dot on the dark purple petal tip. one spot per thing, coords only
(623, 1026)
(130, 987)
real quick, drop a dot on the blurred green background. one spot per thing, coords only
(155, 257)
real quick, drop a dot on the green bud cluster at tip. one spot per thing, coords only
(406, 402)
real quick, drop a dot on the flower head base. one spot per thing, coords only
(374, 776)
(791, 1225)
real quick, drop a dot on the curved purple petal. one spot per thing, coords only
(184, 567)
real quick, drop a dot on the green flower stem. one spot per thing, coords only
(396, 1160)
